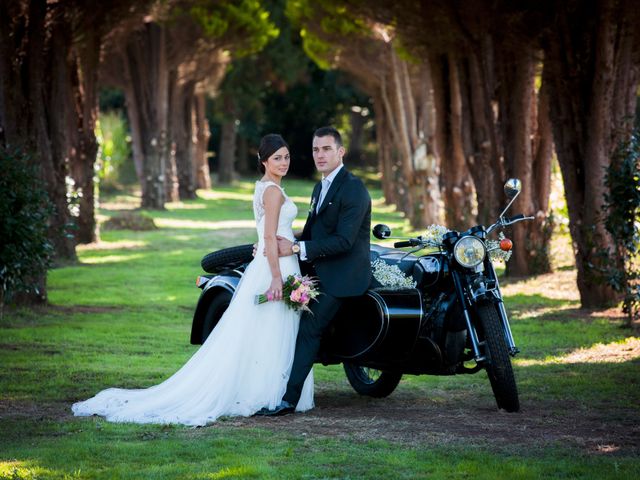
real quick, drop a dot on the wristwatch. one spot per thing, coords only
(295, 248)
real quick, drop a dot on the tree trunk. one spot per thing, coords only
(245, 165)
(385, 160)
(584, 55)
(227, 158)
(483, 158)
(356, 142)
(172, 193)
(148, 74)
(519, 125)
(182, 133)
(458, 189)
(85, 88)
(34, 116)
(203, 176)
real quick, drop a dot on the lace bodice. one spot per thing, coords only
(288, 211)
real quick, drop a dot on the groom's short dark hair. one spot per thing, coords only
(329, 131)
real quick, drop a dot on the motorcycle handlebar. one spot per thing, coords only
(412, 242)
(402, 244)
(515, 219)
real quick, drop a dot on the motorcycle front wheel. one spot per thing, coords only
(371, 382)
(498, 366)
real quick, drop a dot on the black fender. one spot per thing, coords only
(213, 287)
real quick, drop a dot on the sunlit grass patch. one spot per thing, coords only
(122, 317)
(625, 350)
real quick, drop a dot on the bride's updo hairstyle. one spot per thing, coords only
(269, 145)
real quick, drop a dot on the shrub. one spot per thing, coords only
(115, 164)
(25, 251)
(622, 204)
(129, 221)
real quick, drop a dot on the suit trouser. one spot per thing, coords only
(312, 326)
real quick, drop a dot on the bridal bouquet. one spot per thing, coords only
(297, 292)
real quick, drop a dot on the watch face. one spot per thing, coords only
(295, 248)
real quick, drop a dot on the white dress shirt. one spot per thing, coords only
(326, 185)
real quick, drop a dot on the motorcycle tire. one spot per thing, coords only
(498, 366)
(227, 258)
(217, 307)
(371, 382)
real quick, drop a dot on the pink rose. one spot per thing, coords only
(295, 296)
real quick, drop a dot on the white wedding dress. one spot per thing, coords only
(242, 367)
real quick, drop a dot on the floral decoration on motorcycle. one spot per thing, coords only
(434, 233)
(496, 251)
(390, 276)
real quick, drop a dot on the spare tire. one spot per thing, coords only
(227, 258)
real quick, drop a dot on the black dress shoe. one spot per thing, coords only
(284, 408)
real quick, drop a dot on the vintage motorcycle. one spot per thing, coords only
(453, 322)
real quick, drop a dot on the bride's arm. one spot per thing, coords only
(273, 200)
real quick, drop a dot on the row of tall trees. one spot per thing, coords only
(466, 94)
(490, 87)
(280, 89)
(54, 56)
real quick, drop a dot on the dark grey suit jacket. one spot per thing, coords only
(337, 237)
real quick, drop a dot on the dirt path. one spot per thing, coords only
(410, 419)
(407, 419)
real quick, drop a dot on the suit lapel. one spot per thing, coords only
(335, 186)
(315, 198)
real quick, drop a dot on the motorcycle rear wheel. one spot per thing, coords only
(371, 382)
(227, 258)
(498, 366)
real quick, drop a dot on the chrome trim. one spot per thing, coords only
(477, 356)
(224, 281)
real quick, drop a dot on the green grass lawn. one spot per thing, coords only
(122, 317)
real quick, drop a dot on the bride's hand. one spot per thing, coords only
(275, 289)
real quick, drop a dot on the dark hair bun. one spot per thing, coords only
(269, 145)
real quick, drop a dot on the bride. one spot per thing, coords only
(245, 363)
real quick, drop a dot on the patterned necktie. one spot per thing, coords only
(323, 193)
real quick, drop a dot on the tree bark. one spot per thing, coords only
(148, 97)
(585, 57)
(458, 189)
(203, 176)
(85, 87)
(227, 158)
(518, 121)
(33, 69)
(483, 158)
(183, 133)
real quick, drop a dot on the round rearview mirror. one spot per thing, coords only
(381, 231)
(512, 187)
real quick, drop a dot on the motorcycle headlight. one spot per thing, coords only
(469, 251)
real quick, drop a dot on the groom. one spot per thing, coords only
(334, 245)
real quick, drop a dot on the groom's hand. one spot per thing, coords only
(284, 246)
